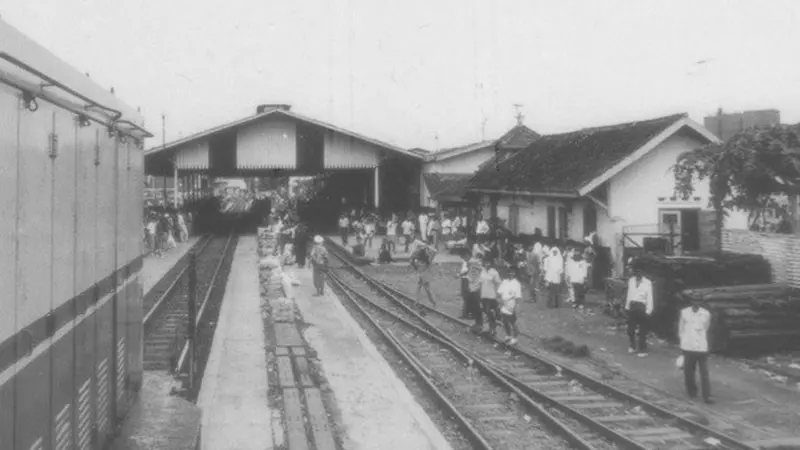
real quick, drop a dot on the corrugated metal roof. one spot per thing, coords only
(247, 120)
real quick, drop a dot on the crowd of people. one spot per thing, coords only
(495, 267)
(164, 228)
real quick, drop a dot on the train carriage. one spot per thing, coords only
(71, 192)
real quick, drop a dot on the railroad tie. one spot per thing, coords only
(664, 438)
(484, 407)
(500, 418)
(623, 418)
(577, 398)
(595, 405)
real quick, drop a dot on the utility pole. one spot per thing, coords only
(483, 128)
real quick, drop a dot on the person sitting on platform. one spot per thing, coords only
(358, 249)
(319, 264)
(385, 254)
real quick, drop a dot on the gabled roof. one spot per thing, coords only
(447, 184)
(576, 163)
(271, 113)
(452, 152)
(518, 137)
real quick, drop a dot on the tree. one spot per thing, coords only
(744, 173)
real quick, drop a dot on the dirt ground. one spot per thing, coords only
(755, 404)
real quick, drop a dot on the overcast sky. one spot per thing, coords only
(406, 71)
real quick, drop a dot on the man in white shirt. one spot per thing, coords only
(510, 293)
(423, 226)
(344, 228)
(693, 332)
(482, 228)
(576, 276)
(639, 306)
(408, 232)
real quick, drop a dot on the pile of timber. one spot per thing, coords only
(752, 318)
(672, 274)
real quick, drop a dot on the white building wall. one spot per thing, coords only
(465, 163)
(270, 144)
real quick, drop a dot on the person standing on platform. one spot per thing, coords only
(423, 226)
(474, 294)
(553, 276)
(319, 264)
(535, 270)
(408, 232)
(300, 244)
(447, 229)
(369, 231)
(693, 331)
(510, 293)
(576, 277)
(490, 281)
(391, 233)
(466, 312)
(344, 228)
(639, 306)
(421, 261)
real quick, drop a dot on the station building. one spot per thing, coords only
(362, 172)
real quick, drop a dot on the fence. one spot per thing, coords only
(781, 250)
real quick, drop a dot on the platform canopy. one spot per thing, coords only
(274, 140)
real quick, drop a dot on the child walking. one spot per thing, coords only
(510, 294)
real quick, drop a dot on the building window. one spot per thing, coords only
(563, 223)
(551, 221)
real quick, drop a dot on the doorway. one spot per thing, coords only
(682, 227)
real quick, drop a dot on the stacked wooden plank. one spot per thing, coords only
(750, 318)
(672, 274)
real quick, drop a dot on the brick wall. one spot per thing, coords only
(781, 250)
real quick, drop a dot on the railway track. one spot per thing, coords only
(167, 318)
(599, 413)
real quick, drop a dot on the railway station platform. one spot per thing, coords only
(154, 268)
(279, 354)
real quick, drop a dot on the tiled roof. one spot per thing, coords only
(447, 184)
(563, 163)
(454, 151)
(518, 137)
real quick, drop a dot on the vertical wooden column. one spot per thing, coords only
(377, 183)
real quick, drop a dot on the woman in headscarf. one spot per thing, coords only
(319, 263)
(553, 272)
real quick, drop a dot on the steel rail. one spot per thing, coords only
(153, 313)
(597, 385)
(200, 312)
(421, 371)
(566, 432)
(600, 386)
